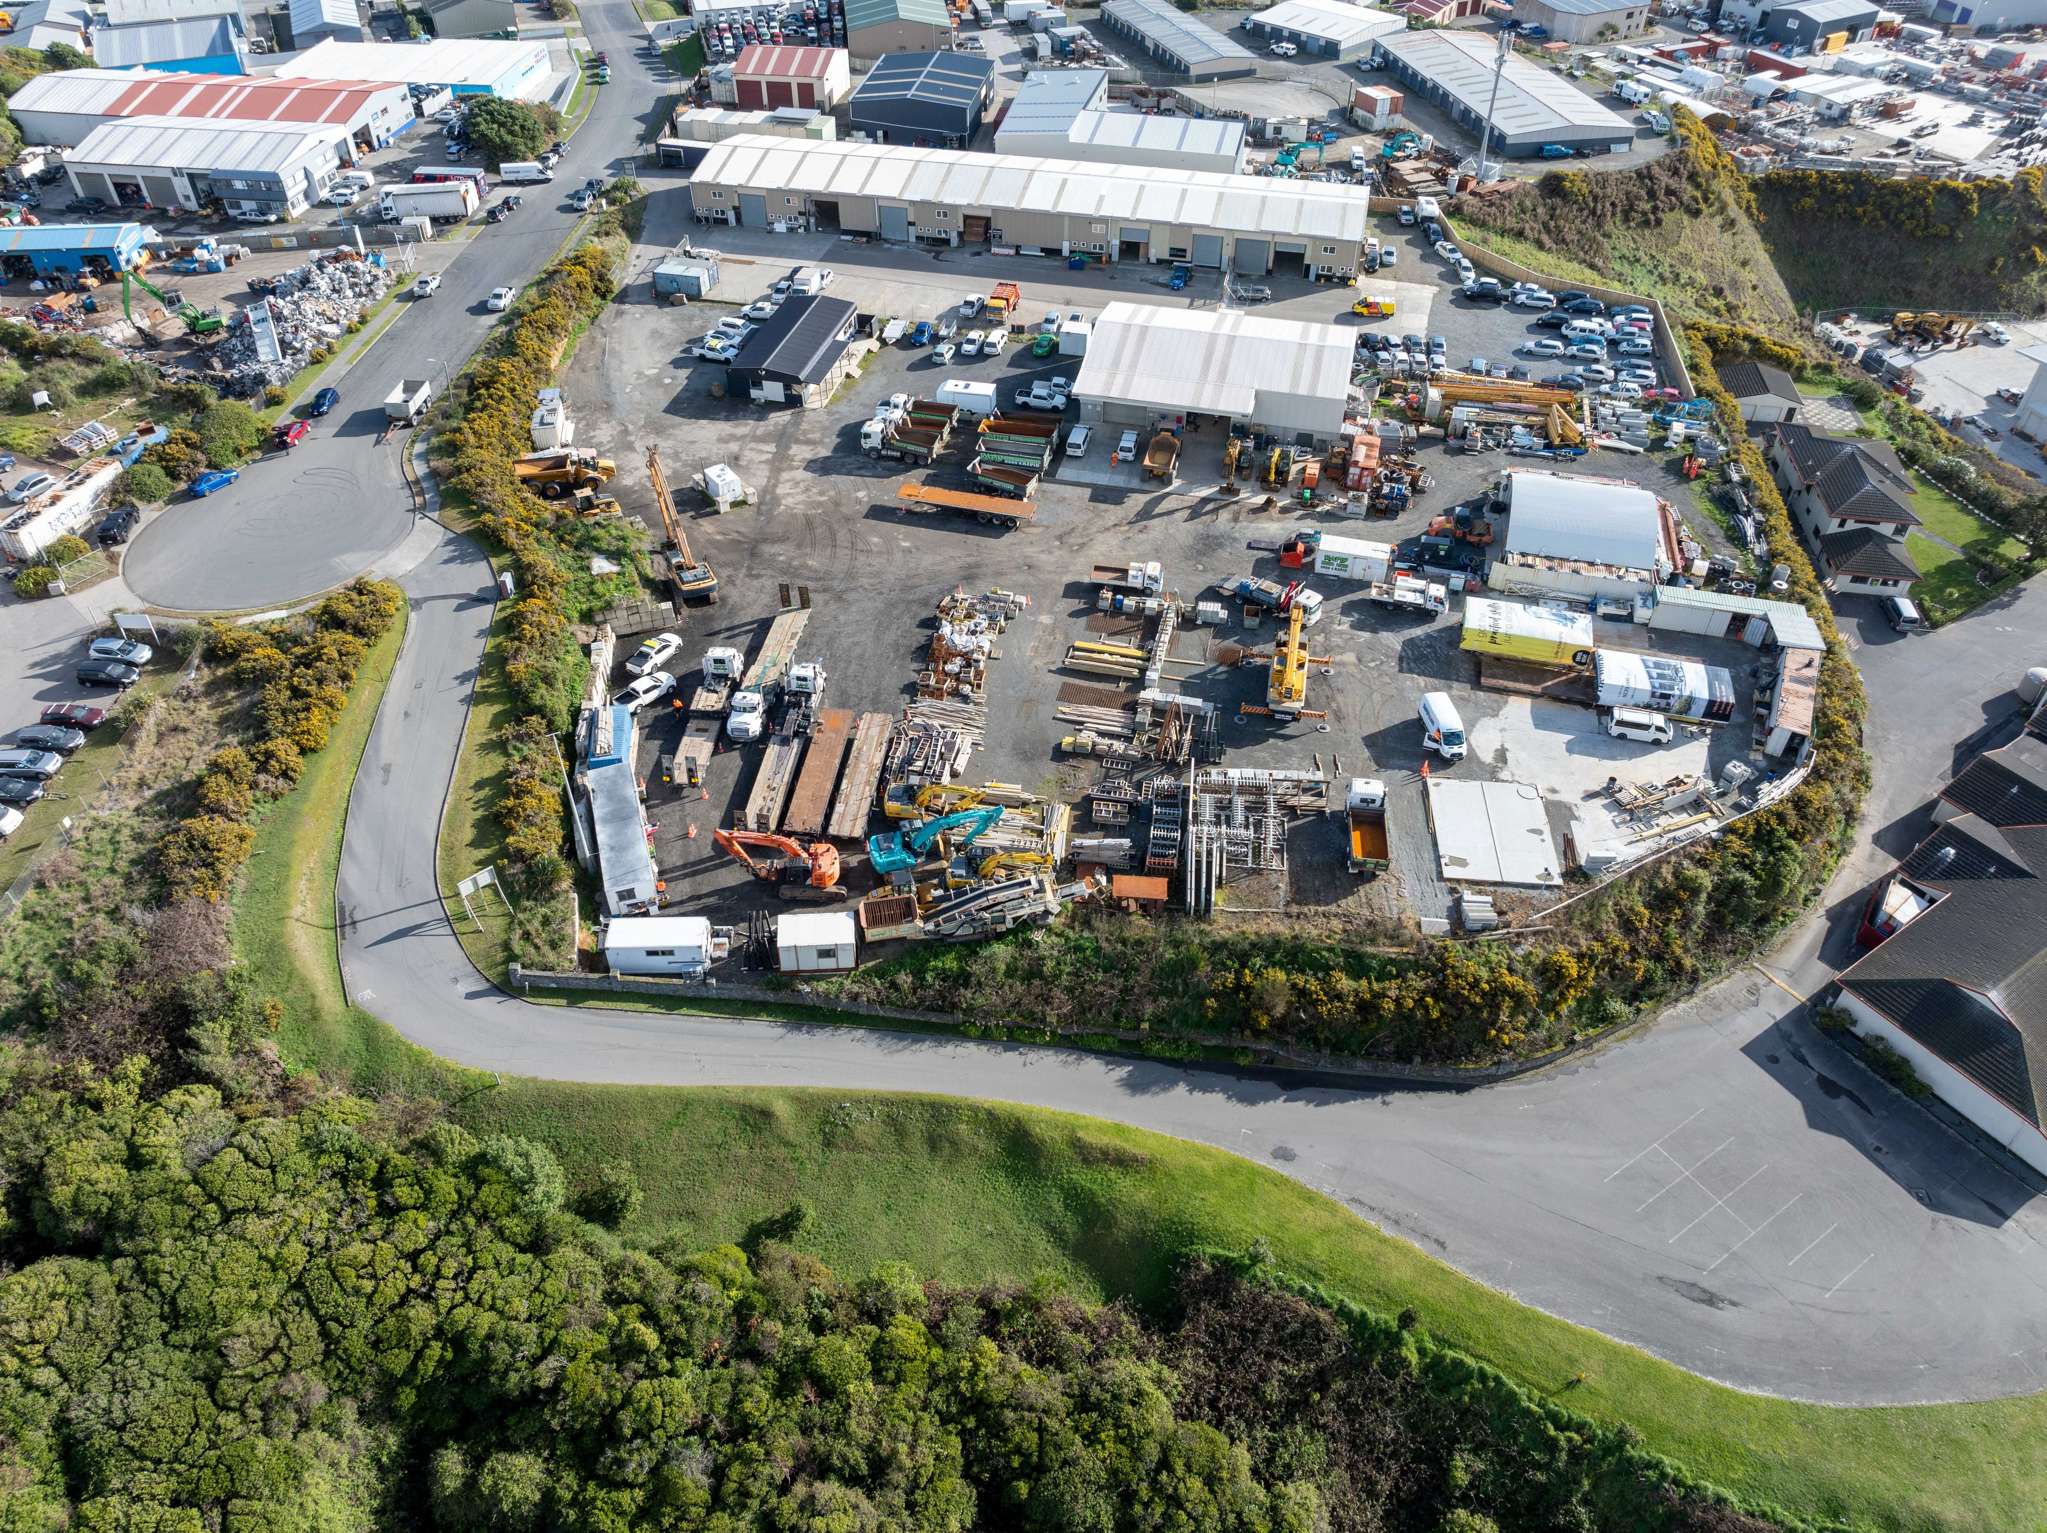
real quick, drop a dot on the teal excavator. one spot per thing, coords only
(893, 851)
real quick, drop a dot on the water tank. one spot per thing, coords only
(1780, 577)
(2032, 685)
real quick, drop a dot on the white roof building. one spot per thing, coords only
(1063, 114)
(64, 108)
(1331, 28)
(1587, 537)
(314, 21)
(816, 941)
(466, 66)
(1145, 363)
(1535, 107)
(176, 162)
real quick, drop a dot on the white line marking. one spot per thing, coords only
(1751, 1235)
(1823, 1234)
(1718, 1202)
(1686, 1176)
(1656, 1146)
(1851, 1272)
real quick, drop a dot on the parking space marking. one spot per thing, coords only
(1650, 1151)
(1823, 1234)
(1721, 1202)
(1751, 1235)
(1684, 1175)
(1851, 1272)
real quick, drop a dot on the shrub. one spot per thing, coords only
(614, 1198)
(273, 396)
(180, 455)
(34, 581)
(1894, 1067)
(66, 549)
(146, 484)
(228, 432)
(199, 858)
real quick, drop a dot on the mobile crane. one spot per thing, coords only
(196, 319)
(693, 577)
(893, 851)
(803, 873)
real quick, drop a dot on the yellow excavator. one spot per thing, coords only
(903, 801)
(694, 578)
(1012, 862)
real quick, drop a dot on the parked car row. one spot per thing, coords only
(38, 751)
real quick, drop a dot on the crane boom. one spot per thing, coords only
(692, 576)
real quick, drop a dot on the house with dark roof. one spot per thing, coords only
(799, 355)
(1765, 394)
(1957, 982)
(1851, 501)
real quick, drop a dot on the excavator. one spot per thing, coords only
(196, 319)
(1402, 143)
(693, 577)
(1287, 161)
(893, 851)
(906, 802)
(1233, 452)
(1012, 862)
(803, 873)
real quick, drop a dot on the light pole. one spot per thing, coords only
(1485, 138)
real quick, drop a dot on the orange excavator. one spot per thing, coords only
(802, 873)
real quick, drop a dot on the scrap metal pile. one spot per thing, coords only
(309, 305)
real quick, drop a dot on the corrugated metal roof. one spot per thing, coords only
(1255, 205)
(1159, 135)
(1532, 101)
(148, 142)
(471, 61)
(1210, 361)
(166, 42)
(1560, 516)
(309, 14)
(157, 93)
(1823, 11)
(121, 13)
(949, 79)
(1588, 7)
(765, 61)
(79, 237)
(1790, 624)
(875, 13)
(1050, 99)
(1344, 25)
(1181, 36)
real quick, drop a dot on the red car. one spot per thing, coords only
(291, 433)
(75, 715)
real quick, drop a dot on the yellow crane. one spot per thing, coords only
(693, 576)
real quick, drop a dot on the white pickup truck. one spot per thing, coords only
(1044, 394)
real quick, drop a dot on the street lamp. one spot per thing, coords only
(1485, 138)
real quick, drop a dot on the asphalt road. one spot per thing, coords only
(1724, 1189)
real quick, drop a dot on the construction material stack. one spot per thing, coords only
(1361, 468)
(809, 804)
(771, 666)
(1014, 454)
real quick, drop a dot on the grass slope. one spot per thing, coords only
(1677, 229)
(1845, 240)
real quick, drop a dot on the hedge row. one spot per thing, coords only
(304, 667)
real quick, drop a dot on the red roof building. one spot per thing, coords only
(766, 77)
(64, 107)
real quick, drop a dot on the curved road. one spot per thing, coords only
(1723, 1189)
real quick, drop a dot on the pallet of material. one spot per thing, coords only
(855, 803)
(771, 785)
(810, 803)
(777, 650)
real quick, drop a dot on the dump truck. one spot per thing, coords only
(902, 441)
(1147, 577)
(993, 510)
(1020, 483)
(1404, 593)
(407, 402)
(1003, 299)
(1162, 456)
(555, 474)
(1364, 808)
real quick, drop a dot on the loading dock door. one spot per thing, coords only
(1208, 250)
(895, 222)
(1253, 258)
(753, 210)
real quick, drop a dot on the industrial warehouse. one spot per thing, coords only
(260, 171)
(1252, 224)
(462, 66)
(1328, 29)
(1182, 44)
(64, 108)
(1532, 108)
(1064, 114)
(923, 99)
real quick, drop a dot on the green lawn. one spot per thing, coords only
(1947, 585)
(1946, 517)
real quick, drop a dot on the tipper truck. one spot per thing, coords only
(1145, 577)
(408, 401)
(902, 440)
(1003, 299)
(442, 201)
(1021, 483)
(555, 474)
(1162, 456)
(1364, 808)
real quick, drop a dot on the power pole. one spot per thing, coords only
(1485, 140)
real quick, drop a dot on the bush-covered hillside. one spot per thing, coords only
(1843, 240)
(1680, 229)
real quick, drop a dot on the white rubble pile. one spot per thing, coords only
(309, 304)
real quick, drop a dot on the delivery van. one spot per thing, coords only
(524, 173)
(1634, 92)
(1442, 727)
(1639, 724)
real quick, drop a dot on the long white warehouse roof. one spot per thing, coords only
(1214, 363)
(181, 142)
(1591, 521)
(1531, 100)
(476, 61)
(1255, 205)
(1342, 24)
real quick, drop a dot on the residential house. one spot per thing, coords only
(1958, 981)
(1851, 501)
(1766, 394)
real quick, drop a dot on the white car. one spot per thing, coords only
(944, 353)
(760, 308)
(653, 653)
(647, 689)
(500, 299)
(1126, 447)
(1465, 271)
(1077, 440)
(997, 339)
(1447, 251)
(1634, 347)
(970, 306)
(1533, 298)
(971, 342)
(427, 286)
(1542, 346)
(1283, 50)
(739, 329)
(342, 196)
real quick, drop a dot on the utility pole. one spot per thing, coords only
(1485, 138)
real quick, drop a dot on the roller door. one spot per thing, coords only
(1208, 250)
(1253, 258)
(895, 222)
(753, 210)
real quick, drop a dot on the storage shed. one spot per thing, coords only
(1177, 40)
(799, 356)
(878, 27)
(691, 276)
(816, 942)
(924, 99)
(766, 76)
(68, 249)
(1533, 107)
(1327, 29)
(1581, 536)
(679, 946)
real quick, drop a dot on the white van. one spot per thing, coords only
(524, 173)
(1587, 330)
(1442, 726)
(360, 179)
(1639, 724)
(977, 399)
(1634, 92)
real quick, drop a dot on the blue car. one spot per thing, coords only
(921, 336)
(323, 401)
(219, 479)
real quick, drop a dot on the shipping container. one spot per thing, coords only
(1538, 635)
(1683, 689)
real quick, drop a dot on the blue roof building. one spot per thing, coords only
(68, 249)
(207, 45)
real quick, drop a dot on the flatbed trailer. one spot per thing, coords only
(810, 803)
(854, 805)
(994, 510)
(778, 650)
(693, 755)
(772, 784)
